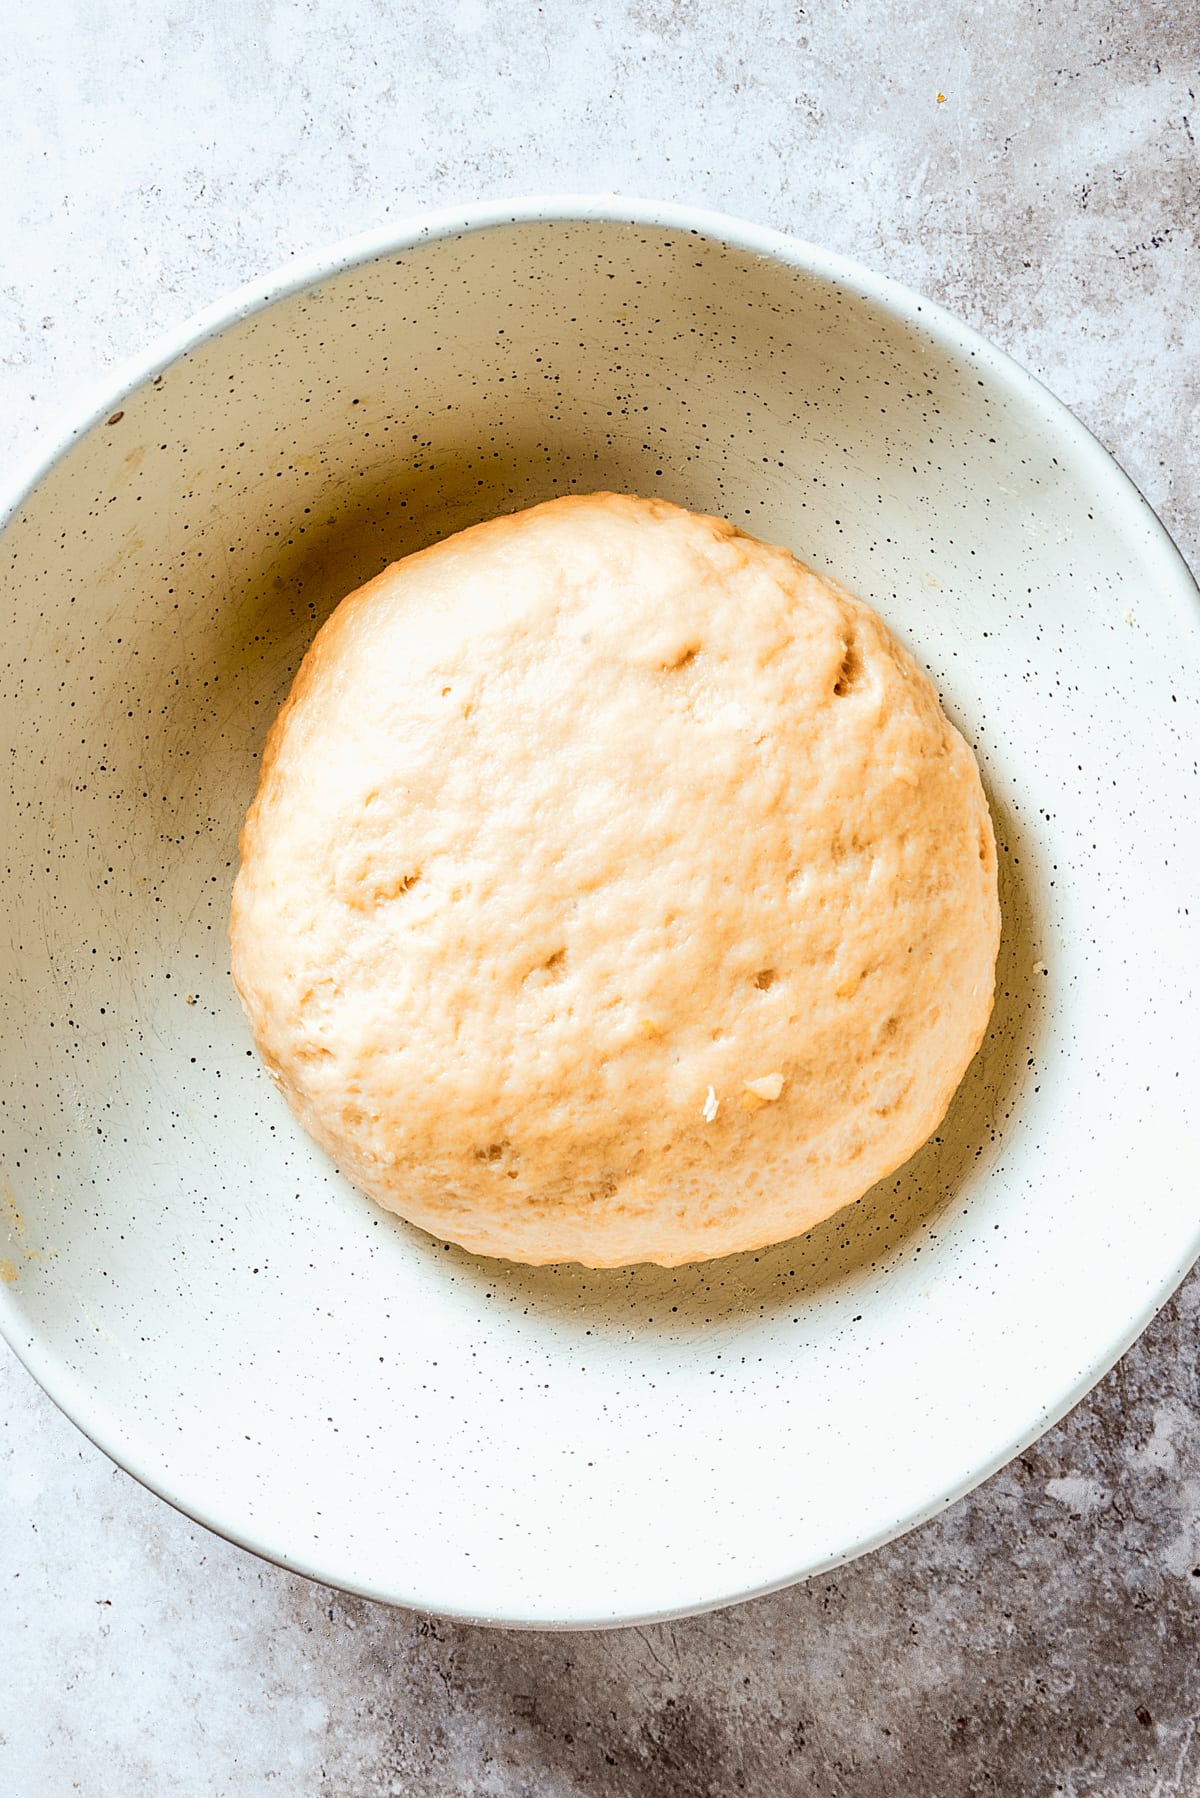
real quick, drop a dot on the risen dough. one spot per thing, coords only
(615, 890)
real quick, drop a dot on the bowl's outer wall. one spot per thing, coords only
(186, 1274)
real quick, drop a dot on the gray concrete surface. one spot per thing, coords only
(1033, 166)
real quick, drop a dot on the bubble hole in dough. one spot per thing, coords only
(616, 890)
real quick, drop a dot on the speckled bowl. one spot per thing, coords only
(189, 1278)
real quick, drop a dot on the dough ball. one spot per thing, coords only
(616, 890)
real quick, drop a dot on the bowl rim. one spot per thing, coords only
(1165, 565)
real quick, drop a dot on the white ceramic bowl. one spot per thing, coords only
(187, 1276)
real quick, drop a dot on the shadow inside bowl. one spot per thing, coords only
(355, 529)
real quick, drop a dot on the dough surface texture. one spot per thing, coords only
(616, 890)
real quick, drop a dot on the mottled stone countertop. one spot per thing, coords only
(1034, 167)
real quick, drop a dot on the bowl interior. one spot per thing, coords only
(194, 1283)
